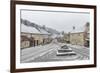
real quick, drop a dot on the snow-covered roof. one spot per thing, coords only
(77, 30)
(28, 29)
(43, 31)
(38, 29)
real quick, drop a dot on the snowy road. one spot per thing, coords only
(48, 53)
(83, 52)
(31, 53)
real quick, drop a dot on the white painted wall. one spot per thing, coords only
(5, 37)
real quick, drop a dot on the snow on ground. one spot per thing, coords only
(78, 46)
(84, 52)
(33, 52)
(45, 53)
(48, 53)
(52, 56)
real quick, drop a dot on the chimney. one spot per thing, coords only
(73, 27)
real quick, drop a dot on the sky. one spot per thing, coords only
(61, 21)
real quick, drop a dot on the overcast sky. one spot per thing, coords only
(61, 21)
